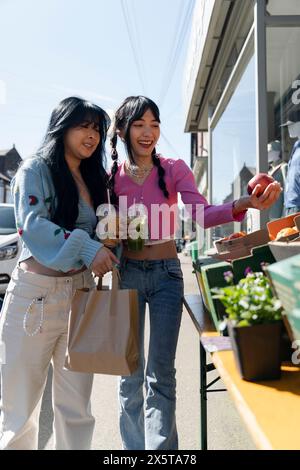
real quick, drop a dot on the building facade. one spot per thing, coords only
(242, 79)
(5, 195)
(9, 163)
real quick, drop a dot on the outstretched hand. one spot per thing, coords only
(257, 200)
(267, 198)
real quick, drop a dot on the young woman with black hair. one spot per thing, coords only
(148, 178)
(56, 195)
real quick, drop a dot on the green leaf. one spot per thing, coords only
(243, 323)
(250, 301)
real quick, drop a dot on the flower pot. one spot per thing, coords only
(257, 350)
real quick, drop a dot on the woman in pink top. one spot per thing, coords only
(149, 179)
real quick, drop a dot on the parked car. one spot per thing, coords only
(10, 245)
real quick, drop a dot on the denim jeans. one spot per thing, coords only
(150, 423)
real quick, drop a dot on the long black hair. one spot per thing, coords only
(69, 113)
(132, 109)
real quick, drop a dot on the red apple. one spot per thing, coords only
(261, 178)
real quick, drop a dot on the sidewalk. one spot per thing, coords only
(225, 430)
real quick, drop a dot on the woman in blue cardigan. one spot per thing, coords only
(56, 195)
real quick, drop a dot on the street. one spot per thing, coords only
(225, 429)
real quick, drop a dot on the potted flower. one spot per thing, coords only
(254, 325)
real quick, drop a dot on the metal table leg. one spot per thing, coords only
(204, 389)
(203, 398)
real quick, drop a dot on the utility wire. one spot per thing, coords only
(169, 144)
(175, 54)
(130, 29)
(139, 42)
(171, 113)
(176, 51)
(177, 28)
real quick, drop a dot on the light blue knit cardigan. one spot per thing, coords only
(51, 245)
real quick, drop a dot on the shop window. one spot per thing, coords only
(283, 85)
(234, 148)
(286, 7)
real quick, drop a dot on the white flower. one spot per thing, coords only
(244, 304)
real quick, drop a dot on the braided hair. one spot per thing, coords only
(161, 174)
(114, 168)
(132, 109)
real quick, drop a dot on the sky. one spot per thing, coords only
(51, 49)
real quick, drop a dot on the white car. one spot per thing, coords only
(10, 245)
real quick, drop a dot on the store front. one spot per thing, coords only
(242, 83)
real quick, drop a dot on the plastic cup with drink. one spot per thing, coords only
(137, 227)
(108, 226)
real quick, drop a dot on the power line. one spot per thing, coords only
(169, 144)
(177, 27)
(175, 54)
(171, 113)
(138, 42)
(130, 30)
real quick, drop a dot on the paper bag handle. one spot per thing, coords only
(99, 283)
(115, 280)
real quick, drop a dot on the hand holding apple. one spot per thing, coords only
(263, 200)
(262, 179)
(263, 190)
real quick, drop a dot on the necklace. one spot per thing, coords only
(138, 171)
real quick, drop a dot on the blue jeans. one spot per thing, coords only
(151, 424)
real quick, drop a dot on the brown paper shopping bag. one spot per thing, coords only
(103, 331)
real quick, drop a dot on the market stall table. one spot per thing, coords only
(270, 409)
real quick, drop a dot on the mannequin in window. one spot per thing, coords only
(292, 187)
(278, 170)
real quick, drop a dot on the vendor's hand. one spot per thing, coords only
(103, 262)
(267, 198)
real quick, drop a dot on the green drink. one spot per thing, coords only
(136, 233)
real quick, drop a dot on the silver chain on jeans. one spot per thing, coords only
(39, 327)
